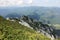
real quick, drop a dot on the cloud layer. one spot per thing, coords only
(49, 3)
(14, 2)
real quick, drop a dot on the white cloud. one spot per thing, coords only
(10, 2)
(14, 2)
(30, 1)
(19, 2)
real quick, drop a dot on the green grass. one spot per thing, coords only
(15, 31)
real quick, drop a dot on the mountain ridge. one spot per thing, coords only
(45, 29)
(10, 30)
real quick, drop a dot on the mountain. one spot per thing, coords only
(43, 14)
(38, 26)
(13, 15)
(10, 30)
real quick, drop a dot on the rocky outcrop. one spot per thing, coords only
(45, 29)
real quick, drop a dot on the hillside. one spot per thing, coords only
(14, 31)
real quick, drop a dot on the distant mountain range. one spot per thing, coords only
(45, 14)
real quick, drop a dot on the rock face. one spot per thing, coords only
(25, 24)
(45, 29)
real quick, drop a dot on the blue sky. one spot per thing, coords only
(46, 3)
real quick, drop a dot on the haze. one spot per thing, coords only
(46, 3)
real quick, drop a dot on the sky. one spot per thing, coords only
(46, 3)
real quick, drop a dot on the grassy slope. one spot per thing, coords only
(14, 31)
